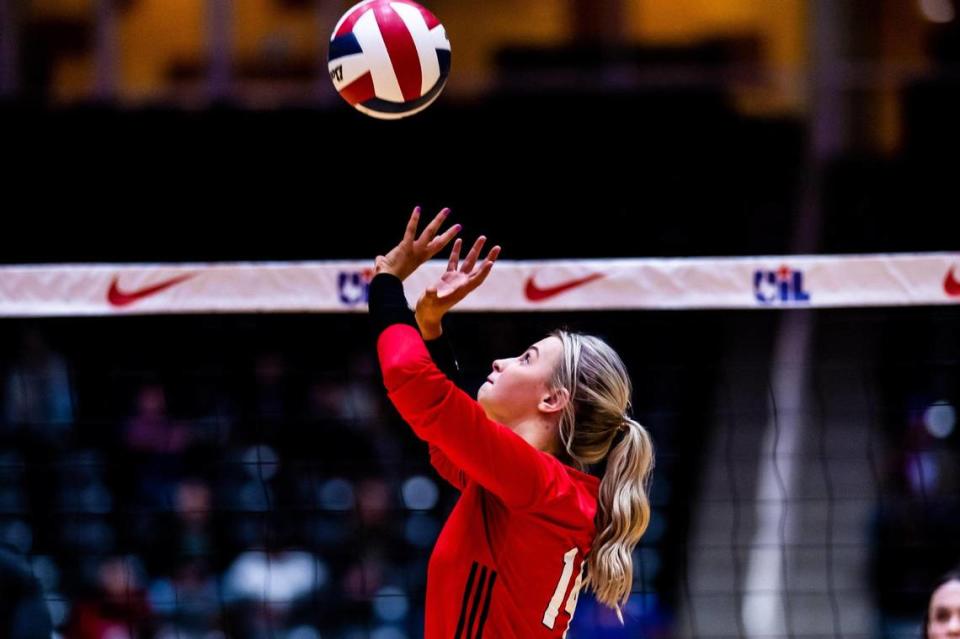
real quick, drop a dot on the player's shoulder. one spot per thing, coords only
(568, 485)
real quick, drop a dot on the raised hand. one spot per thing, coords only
(454, 284)
(412, 251)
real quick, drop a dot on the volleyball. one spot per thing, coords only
(389, 58)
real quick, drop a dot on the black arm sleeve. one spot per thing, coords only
(388, 306)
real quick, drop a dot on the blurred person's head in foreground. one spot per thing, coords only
(942, 617)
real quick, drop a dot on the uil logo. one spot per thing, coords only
(353, 287)
(782, 286)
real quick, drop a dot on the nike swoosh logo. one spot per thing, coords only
(951, 284)
(536, 294)
(116, 297)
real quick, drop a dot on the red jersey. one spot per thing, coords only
(509, 561)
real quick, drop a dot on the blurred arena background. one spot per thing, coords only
(241, 475)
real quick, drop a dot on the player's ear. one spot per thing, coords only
(554, 401)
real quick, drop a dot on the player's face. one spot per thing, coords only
(517, 385)
(945, 612)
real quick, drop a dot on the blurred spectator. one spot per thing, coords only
(115, 607)
(917, 523)
(340, 445)
(361, 400)
(39, 397)
(942, 617)
(379, 552)
(187, 604)
(269, 401)
(347, 414)
(150, 430)
(373, 504)
(265, 589)
(84, 503)
(23, 611)
(159, 442)
(186, 534)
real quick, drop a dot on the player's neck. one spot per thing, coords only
(539, 433)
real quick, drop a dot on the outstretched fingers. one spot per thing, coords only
(431, 230)
(454, 255)
(411, 231)
(481, 273)
(436, 244)
(471, 259)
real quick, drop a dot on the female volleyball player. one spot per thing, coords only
(510, 560)
(942, 619)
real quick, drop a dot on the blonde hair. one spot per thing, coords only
(600, 391)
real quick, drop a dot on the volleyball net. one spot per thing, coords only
(200, 450)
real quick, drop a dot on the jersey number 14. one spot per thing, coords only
(550, 616)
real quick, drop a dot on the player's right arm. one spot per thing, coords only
(441, 351)
(443, 415)
(455, 283)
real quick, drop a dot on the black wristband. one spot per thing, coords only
(388, 304)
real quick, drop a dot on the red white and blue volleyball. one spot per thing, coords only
(389, 58)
